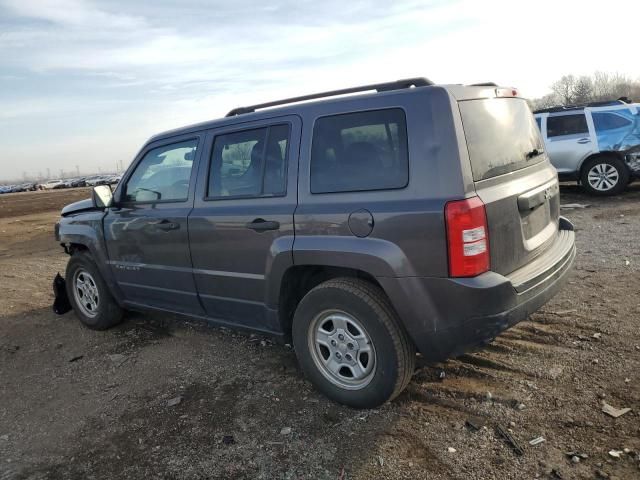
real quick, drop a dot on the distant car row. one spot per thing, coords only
(90, 181)
(23, 187)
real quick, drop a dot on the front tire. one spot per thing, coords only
(89, 295)
(604, 176)
(350, 343)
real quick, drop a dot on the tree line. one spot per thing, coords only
(600, 86)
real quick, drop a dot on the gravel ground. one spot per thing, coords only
(163, 397)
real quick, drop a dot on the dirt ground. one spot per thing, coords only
(75, 403)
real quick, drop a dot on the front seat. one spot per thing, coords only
(274, 170)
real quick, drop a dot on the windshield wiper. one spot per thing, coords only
(533, 153)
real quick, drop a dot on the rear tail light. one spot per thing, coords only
(467, 237)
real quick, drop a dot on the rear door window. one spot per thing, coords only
(359, 152)
(249, 163)
(502, 136)
(609, 121)
(562, 125)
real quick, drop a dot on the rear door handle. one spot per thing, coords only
(261, 225)
(584, 140)
(166, 225)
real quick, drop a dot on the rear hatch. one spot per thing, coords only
(513, 178)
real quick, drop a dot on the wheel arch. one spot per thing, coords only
(73, 247)
(604, 153)
(298, 280)
(323, 257)
(87, 237)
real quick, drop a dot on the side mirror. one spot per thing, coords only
(102, 196)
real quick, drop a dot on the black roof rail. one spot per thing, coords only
(605, 103)
(558, 108)
(565, 108)
(379, 87)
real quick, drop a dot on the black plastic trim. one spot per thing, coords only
(379, 87)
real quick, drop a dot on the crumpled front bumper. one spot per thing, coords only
(61, 304)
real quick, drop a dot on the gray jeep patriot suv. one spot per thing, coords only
(411, 216)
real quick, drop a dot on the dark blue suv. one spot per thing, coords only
(411, 216)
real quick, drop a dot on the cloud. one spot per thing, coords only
(236, 36)
(73, 13)
(130, 68)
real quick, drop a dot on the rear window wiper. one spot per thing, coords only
(534, 153)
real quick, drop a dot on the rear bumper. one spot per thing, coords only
(449, 316)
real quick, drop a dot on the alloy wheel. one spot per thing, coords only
(85, 291)
(603, 177)
(342, 349)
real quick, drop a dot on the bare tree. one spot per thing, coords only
(634, 92)
(610, 86)
(601, 86)
(547, 101)
(563, 88)
(582, 90)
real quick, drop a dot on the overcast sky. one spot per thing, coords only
(87, 82)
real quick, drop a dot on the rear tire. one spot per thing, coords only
(89, 295)
(604, 175)
(351, 344)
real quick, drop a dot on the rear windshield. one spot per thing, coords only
(501, 134)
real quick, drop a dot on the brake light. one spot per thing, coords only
(506, 92)
(467, 237)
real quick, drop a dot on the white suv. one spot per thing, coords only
(51, 184)
(598, 144)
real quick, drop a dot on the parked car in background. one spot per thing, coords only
(10, 189)
(363, 227)
(115, 179)
(22, 187)
(92, 180)
(596, 144)
(78, 182)
(74, 182)
(27, 187)
(51, 184)
(97, 180)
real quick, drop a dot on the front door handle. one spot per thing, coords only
(584, 140)
(166, 225)
(261, 225)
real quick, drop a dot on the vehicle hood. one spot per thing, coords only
(80, 206)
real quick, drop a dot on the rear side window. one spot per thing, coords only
(163, 174)
(249, 163)
(360, 151)
(501, 135)
(609, 121)
(567, 125)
